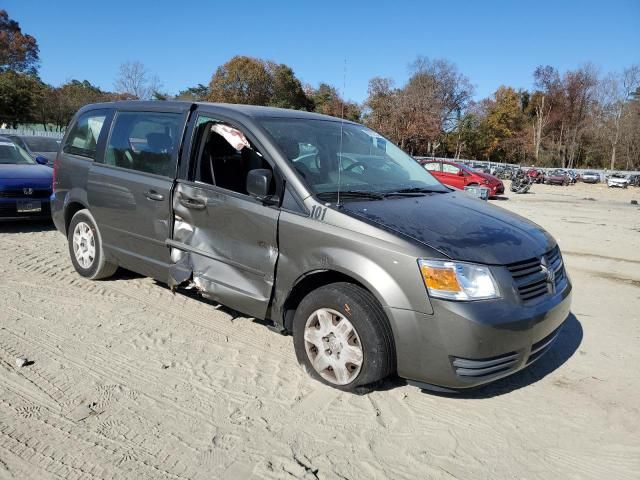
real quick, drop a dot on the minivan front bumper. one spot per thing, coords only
(467, 344)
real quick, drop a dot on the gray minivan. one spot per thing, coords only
(319, 226)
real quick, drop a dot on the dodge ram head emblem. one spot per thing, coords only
(27, 191)
(551, 275)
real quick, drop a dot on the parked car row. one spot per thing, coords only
(554, 176)
(566, 177)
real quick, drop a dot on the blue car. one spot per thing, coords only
(25, 184)
(38, 146)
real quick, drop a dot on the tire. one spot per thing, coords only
(371, 334)
(91, 262)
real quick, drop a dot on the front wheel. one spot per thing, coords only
(342, 337)
(85, 247)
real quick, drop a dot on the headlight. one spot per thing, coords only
(457, 281)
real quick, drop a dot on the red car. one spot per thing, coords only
(459, 176)
(536, 175)
(558, 177)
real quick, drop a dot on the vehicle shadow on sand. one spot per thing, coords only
(563, 349)
(565, 346)
(26, 226)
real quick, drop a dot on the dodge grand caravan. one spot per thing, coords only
(322, 228)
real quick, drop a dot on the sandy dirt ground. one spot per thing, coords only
(131, 381)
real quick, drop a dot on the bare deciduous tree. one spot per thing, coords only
(617, 90)
(421, 114)
(134, 79)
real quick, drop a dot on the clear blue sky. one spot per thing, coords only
(493, 43)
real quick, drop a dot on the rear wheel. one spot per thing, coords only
(85, 247)
(342, 337)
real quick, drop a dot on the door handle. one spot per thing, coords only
(153, 195)
(194, 203)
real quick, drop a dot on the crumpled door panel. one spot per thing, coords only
(225, 245)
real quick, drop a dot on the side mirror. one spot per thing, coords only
(42, 160)
(258, 183)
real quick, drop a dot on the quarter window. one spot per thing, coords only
(448, 168)
(145, 141)
(433, 166)
(83, 137)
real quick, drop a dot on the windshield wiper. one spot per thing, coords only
(352, 194)
(417, 191)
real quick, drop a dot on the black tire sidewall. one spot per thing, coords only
(86, 217)
(375, 341)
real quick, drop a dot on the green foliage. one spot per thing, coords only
(254, 81)
(287, 90)
(19, 93)
(56, 105)
(503, 123)
(242, 80)
(328, 101)
(195, 94)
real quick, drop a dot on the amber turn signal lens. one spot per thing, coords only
(440, 278)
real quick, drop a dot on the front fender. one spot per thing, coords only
(385, 264)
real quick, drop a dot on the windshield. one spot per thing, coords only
(41, 144)
(10, 153)
(358, 161)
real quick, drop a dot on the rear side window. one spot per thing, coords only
(145, 141)
(448, 168)
(432, 166)
(83, 137)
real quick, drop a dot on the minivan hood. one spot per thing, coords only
(25, 172)
(459, 226)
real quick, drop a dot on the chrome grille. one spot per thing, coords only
(538, 276)
(19, 193)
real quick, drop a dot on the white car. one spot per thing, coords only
(618, 181)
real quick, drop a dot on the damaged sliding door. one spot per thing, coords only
(226, 243)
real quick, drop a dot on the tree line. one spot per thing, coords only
(576, 118)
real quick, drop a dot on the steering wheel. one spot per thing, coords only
(304, 171)
(354, 165)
